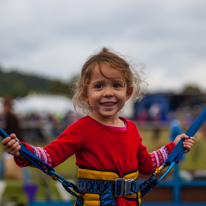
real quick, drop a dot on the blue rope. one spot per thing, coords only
(179, 149)
(42, 165)
(174, 156)
(166, 172)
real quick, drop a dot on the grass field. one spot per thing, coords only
(194, 160)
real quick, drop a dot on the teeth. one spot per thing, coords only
(108, 103)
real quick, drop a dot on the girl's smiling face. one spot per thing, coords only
(107, 93)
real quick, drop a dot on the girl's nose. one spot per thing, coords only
(108, 92)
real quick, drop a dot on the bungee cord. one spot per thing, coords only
(38, 163)
(174, 156)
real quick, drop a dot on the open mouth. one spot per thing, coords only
(108, 103)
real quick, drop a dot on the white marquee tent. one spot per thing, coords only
(42, 103)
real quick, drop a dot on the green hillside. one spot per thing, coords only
(18, 85)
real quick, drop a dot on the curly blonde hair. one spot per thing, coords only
(132, 77)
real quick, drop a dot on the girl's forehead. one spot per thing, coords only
(105, 70)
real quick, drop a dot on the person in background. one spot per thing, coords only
(11, 121)
(11, 125)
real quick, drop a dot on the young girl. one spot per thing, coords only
(108, 148)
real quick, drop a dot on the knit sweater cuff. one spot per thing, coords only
(25, 162)
(170, 146)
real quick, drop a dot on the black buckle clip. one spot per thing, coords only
(123, 187)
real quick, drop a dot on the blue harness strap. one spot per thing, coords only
(30, 156)
(174, 156)
(179, 149)
(43, 166)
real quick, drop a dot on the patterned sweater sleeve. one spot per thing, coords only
(67, 144)
(160, 156)
(148, 162)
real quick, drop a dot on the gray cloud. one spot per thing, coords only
(54, 38)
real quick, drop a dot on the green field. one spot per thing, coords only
(194, 160)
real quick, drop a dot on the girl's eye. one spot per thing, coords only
(117, 85)
(98, 86)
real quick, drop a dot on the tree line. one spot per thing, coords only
(17, 84)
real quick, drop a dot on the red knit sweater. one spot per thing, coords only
(101, 147)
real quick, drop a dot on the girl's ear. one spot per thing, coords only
(85, 98)
(129, 93)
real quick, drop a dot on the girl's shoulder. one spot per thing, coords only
(83, 120)
(129, 122)
(78, 128)
(80, 122)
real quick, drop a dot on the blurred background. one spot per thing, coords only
(43, 45)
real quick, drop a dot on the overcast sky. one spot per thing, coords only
(53, 38)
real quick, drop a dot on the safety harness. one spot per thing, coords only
(100, 187)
